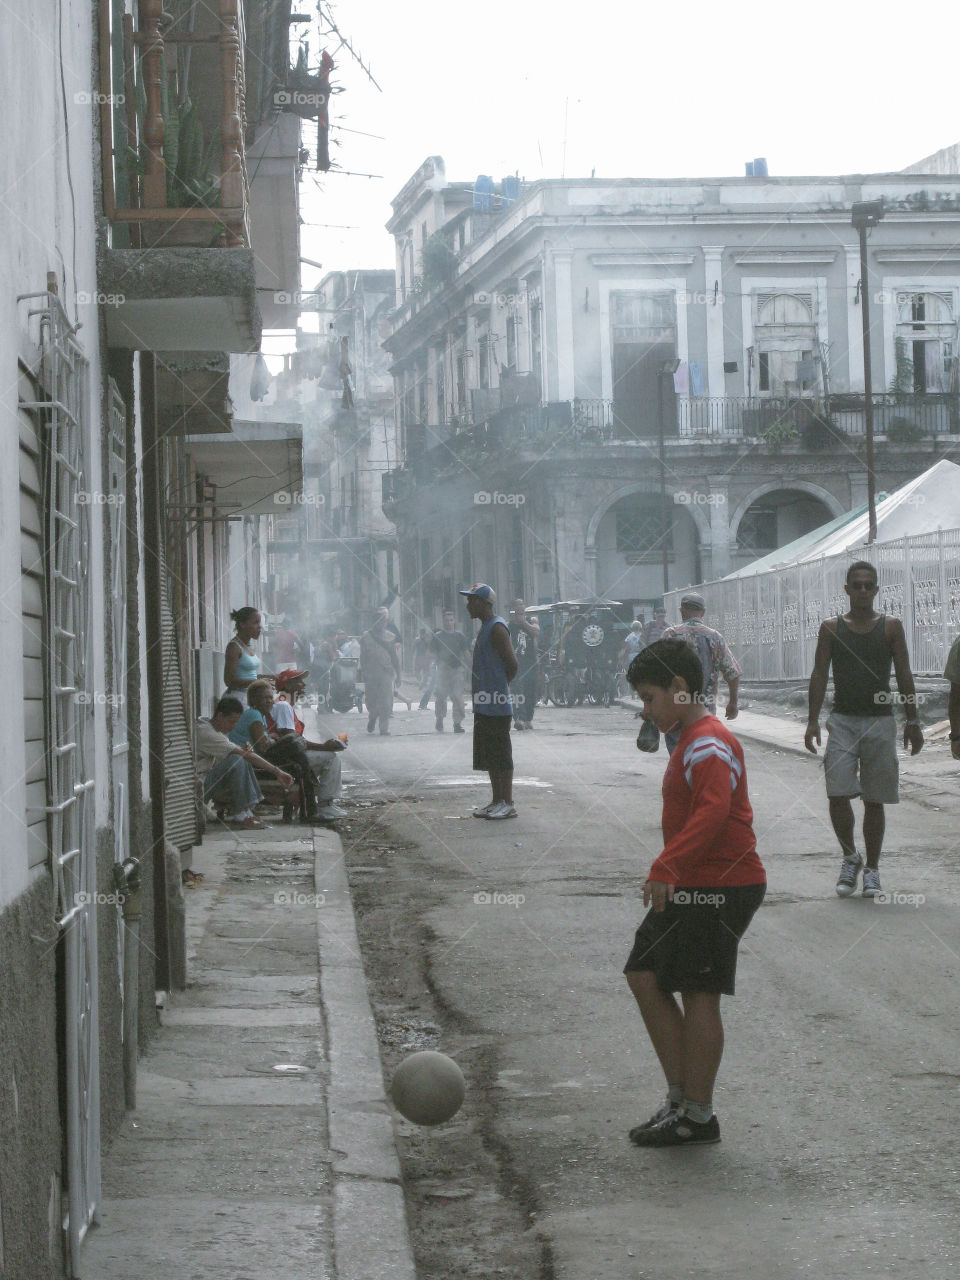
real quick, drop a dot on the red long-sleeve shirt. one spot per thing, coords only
(708, 838)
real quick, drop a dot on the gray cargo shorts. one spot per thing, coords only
(861, 758)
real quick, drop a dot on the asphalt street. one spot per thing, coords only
(838, 1093)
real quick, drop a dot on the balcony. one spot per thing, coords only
(178, 265)
(256, 468)
(809, 425)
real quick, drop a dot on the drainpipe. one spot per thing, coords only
(126, 876)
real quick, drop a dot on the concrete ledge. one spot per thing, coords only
(371, 1238)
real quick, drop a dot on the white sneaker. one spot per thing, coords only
(502, 810)
(331, 812)
(482, 813)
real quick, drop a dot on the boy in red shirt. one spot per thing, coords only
(703, 890)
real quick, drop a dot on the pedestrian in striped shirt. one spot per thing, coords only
(702, 891)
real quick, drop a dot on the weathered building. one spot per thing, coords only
(332, 555)
(133, 255)
(612, 386)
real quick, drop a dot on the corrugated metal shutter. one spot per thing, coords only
(180, 791)
(32, 593)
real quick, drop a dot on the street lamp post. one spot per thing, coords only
(667, 370)
(864, 214)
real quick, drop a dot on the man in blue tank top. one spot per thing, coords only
(494, 666)
(861, 754)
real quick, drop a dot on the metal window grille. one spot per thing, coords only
(63, 374)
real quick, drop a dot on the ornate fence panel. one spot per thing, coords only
(771, 620)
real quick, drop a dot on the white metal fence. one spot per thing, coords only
(771, 620)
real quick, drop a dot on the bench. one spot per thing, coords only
(273, 793)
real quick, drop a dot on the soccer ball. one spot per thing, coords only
(428, 1087)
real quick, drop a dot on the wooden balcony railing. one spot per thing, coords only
(135, 144)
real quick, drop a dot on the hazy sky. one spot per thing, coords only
(549, 91)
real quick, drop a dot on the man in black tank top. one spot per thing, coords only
(861, 754)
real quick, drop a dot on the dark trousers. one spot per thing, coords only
(525, 690)
(289, 753)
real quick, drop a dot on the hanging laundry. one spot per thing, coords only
(696, 378)
(681, 379)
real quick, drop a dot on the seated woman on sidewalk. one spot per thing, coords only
(251, 730)
(283, 721)
(220, 761)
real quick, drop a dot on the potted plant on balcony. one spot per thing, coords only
(780, 432)
(191, 182)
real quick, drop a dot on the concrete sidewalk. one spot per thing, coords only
(262, 1144)
(933, 772)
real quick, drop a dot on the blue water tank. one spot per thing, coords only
(510, 189)
(760, 167)
(483, 192)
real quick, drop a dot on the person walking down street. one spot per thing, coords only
(656, 626)
(241, 664)
(450, 648)
(703, 890)
(424, 666)
(494, 666)
(633, 642)
(861, 754)
(221, 762)
(380, 667)
(525, 638)
(714, 654)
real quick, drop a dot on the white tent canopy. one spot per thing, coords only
(925, 504)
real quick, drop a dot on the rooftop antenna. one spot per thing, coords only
(325, 14)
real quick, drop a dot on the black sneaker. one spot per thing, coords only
(458, 728)
(678, 1130)
(663, 1111)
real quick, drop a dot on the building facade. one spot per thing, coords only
(614, 387)
(134, 256)
(333, 555)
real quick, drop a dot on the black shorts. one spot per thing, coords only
(692, 945)
(492, 749)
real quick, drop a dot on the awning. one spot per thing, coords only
(257, 468)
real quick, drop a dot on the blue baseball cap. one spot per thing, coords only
(481, 591)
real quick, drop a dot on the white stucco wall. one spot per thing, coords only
(46, 227)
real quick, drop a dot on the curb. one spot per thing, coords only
(371, 1238)
(771, 737)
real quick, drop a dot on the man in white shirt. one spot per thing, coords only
(221, 761)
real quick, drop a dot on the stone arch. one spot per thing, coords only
(696, 513)
(829, 500)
